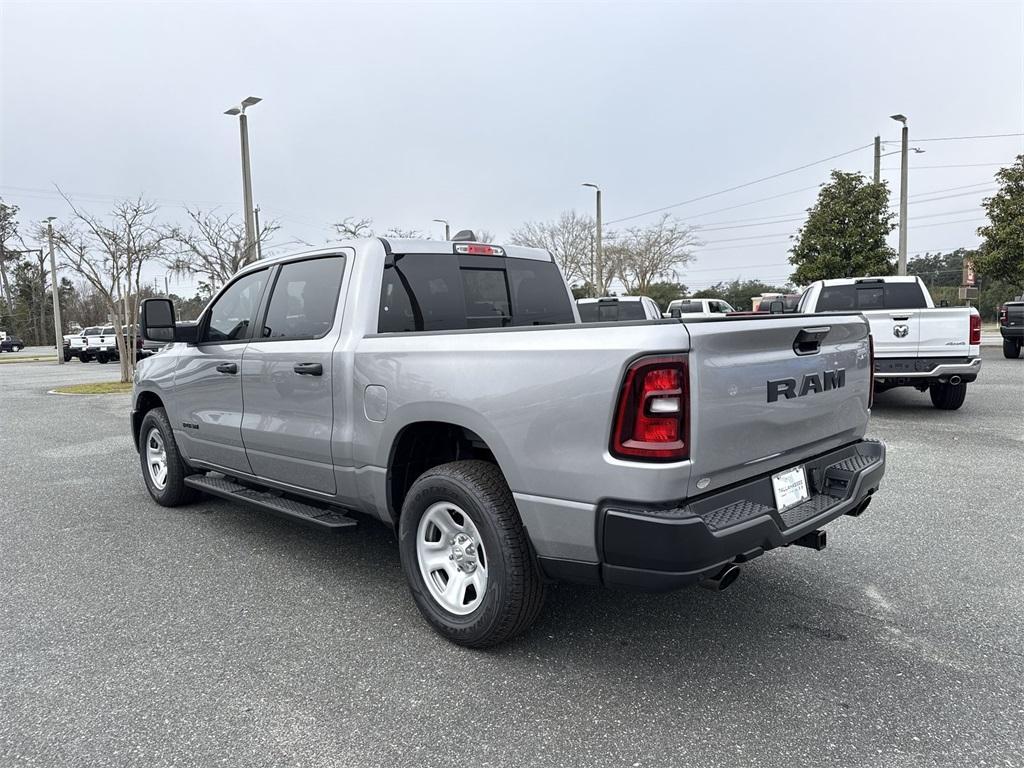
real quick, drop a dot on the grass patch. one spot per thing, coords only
(27, 359)
(96, 388)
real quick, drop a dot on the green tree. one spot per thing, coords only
(845, 232)
(664, 292)
(1002, 252)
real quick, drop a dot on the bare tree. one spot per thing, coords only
(110, 255)
(354, 228)
(212, 248)
(570, 239)
(641, 256)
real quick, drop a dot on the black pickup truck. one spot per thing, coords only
(1011, 326)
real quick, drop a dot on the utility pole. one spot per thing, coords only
(447, 228)
(598, 255)
(259, 239)
(58, 326)
(243, 128)
(904, 150)
(167, 290)
(878, 160)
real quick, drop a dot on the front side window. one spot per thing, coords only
(232, 313)
(305, 299)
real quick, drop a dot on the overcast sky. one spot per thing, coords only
(491, 114)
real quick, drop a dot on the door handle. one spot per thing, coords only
(309, 369)
(227, 368)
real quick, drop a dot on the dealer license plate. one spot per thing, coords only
(790, 488)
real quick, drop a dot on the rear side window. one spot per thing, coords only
(440, 292)
(305, 299)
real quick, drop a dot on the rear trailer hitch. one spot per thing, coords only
(813, 540)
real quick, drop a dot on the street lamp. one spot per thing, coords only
(905, 143)
(243, 127)
(447, 228)
(58, 326)
(598, 256)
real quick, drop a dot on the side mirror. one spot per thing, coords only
(156, 320)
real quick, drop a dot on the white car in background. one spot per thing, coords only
(690, 307)
(610, 309)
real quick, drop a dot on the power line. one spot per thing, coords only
(960, 165)
(740, 186)
(982, 136)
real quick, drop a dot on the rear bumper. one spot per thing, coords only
(897, 371)
(666, 548)
(1015, 333)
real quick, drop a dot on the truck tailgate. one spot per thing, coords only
(757, 405)
(945, 331)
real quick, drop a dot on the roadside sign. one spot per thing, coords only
(968, 271)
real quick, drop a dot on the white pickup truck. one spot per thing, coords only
(916, 344)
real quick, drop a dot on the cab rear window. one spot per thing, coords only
(611, 311)
(868, 296)
(444, 292)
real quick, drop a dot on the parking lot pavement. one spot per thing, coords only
(211, 634)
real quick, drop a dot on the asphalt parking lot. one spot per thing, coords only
(132, 635)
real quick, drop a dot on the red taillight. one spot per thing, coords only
(652, 414)
(975, 329)
(871, 384)
(1002, 315)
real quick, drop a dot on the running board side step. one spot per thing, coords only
(307, 514)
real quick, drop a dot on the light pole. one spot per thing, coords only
(243, 127)
(58, 326)
(902, 269)
(447, 228)
(598, 256)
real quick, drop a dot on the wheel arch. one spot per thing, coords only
(145, 402)
(422, 445)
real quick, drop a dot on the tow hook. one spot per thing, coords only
(812, 540)
(722, 579)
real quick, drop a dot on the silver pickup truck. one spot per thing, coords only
(449, 390)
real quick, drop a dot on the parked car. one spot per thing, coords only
(933, 349)
(617, 309)
(11, 344)
(102, 344)
(1011, 327)
(77, 344)
(687, 307)
(448, 390)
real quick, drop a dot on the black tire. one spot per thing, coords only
(84, 357)
(102, 359)
(515, 587)
(1011, 348)
(67, 357)
(948, 397)
(175, 492)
